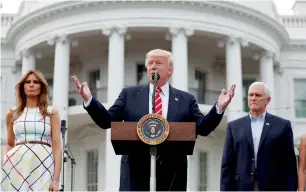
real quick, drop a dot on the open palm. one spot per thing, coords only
(226, 97)
(82, 88)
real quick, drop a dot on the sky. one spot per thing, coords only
(283, 6)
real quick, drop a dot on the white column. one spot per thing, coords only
(180, 72)
(267, 76)
(115, 85)
(28, 60)
(61, 76)
(193, 180)
(180, 57)
(61, 81)
(234, 75)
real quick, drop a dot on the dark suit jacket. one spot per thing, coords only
(276, 161)
(131, 105)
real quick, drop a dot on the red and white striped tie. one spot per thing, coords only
(158, 102)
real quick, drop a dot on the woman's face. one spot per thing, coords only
(32, 86)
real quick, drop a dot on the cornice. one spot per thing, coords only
(5, 43)
(296, 44)
(230, 7)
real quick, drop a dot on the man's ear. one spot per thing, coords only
(170, 72)
(268, 100)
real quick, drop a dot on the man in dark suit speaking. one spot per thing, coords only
(174, 105)
(259, 150)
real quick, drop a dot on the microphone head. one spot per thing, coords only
(155, 76)
(63, 123)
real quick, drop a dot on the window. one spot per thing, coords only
(246, 84)
(142, 77)
(94, 82)
(200, 77)
(92, 170)
(203, 172)
(300, 98)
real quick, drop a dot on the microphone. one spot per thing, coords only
(63, 123)
(63, 128)
(155, 78)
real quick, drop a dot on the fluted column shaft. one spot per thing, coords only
(28, 61)
(267, 76)
(115, 84)
(180, 57)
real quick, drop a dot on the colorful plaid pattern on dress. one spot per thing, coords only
(29, 167)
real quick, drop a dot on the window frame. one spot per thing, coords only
(294, 98)
(87, 183)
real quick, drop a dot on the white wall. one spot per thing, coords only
(8, 81)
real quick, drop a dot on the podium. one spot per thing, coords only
(126, 141)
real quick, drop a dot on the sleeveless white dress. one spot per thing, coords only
(29, 166)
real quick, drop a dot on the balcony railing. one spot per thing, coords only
(76, 99)
(206, 96)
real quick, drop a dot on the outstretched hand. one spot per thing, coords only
(226, 97)
(81, 88)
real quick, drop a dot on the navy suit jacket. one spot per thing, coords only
(171, 169)
(276, 161)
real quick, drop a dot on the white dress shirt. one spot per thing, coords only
(164, 94)
(257, 124)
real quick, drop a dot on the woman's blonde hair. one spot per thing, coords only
(21, 100)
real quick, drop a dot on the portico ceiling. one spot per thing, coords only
(95, 41)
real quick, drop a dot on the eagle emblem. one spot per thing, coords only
(153, 129)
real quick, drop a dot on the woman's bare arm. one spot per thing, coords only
(56, 144)
(10, 133)
(302, 165)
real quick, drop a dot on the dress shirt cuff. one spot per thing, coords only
(218, 110)
(88, 102)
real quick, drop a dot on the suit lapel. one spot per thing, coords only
(266, 127)
(248, 131)
(173, 104)
(142, 100)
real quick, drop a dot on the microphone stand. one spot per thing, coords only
(63, 130)
(70, 156)
(153, 149)
(72, 162)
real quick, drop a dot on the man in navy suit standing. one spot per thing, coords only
(174, 105)
(259, 150)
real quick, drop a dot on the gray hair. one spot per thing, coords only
(266, 88)
(160, 52)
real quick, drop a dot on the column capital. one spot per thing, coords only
(26, 52)
(108, 31)
(267, 54)
(187, 31)
(231, 40)
(58, 38)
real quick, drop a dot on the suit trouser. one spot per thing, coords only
(255, 187)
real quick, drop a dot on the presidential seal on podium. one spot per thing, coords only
(153, 129)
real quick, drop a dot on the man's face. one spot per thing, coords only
(257, 100)
(159, 63)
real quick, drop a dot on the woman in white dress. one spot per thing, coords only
(33, 153)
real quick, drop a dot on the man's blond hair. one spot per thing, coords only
(160, 52)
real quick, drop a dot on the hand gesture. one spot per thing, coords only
(54, 186)
(83, 88)
(226, 97)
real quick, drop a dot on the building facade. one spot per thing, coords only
(214, 44)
